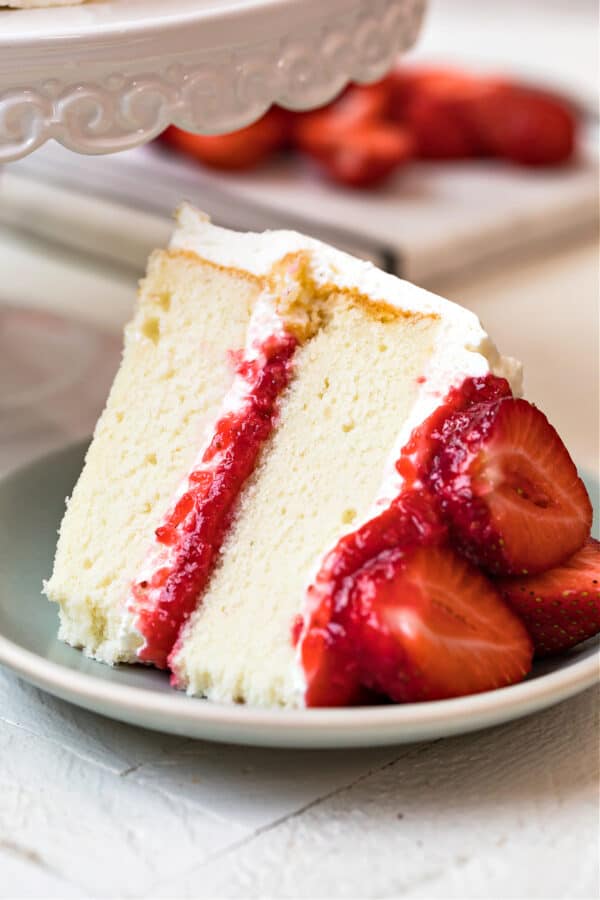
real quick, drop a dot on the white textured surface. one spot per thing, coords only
(92, 808)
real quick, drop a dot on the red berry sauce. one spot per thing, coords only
(410, 520)
(187, 543)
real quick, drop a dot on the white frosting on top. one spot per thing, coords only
(463, 347)
(462, 350)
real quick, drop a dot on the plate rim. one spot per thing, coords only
(299, 727)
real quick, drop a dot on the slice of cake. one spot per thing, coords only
(273, 504)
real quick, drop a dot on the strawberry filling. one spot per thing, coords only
(188, 542)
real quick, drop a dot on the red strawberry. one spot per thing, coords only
(357, 105)
(509, 488)
(358, 156)
(438, 132)
(407, 83)
(364, 102)
(318, 133)
(455, 115)
(427, 625)
(435, 104)
(524, 125)
(242, 149)
(561, 607)
(328, 658)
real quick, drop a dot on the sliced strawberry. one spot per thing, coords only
(526, 126)
(242, 149)
(435, 104)
(351, 139)
(426, 439)
(357, 105)
(509, 488)
(328, 659)
(365, 102)
(319, 133)
(360, 156)
(455, 115)
(426, 625)
(561, 607)
(438, 132)
(406, 83)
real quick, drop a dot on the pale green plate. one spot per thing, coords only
(31, 506)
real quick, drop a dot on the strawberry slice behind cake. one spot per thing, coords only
(268, 505)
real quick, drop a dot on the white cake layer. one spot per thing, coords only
(174, 374)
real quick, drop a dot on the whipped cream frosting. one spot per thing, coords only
(461, 334)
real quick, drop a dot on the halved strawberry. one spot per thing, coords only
(364, 102)
(527, 126)
(242, 149)
(509, 489)
(435, 106)
(426, 625)
(407, 82)
(561, 607)
(439, 133)
(357, 105)
(357, 156)
(318, 133)
(327, 655)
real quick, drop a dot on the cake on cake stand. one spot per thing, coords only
(112, 74)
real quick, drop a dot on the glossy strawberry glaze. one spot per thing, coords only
(190, 538)
(410, 520)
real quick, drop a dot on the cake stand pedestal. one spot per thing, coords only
(107, 76)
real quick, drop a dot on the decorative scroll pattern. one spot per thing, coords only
(210, 94)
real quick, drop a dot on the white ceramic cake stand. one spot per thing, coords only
(112, 74)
